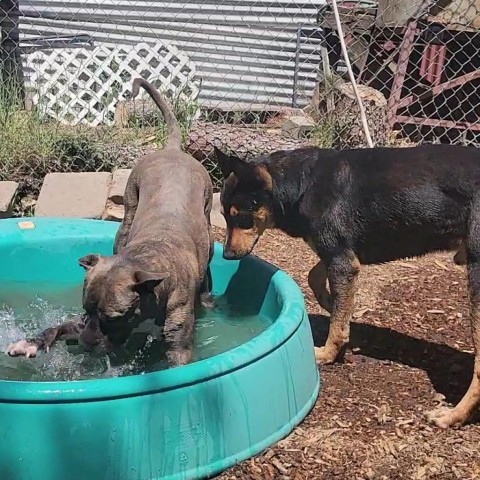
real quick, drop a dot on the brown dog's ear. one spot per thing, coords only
(89, 261)
(148, 280)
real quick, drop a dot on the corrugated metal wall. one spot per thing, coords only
(244, 50)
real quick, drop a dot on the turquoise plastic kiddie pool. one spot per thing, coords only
(183, 423)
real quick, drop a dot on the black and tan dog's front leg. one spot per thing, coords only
(460, 258)
(342, 273)
(317, 281)
(445, 417)
(70, 330)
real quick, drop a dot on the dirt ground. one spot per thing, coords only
(410, 352)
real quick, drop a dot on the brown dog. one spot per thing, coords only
(161, 255)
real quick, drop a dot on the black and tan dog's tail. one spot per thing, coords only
(173, 131)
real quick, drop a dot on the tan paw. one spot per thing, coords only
(22, 348)
(444, 417)
(325, 355)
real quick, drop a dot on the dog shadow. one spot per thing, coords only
(448, 369)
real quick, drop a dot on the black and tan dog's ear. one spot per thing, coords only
(263, 176)
(243, 170)
(257, 174)
(224, 162)
(89, 261)
(147, 281)
(230, 163)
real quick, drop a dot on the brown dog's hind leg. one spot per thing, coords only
(343, 273)
(130, 201)
(447, 417)
(206, 297)
(317, 281)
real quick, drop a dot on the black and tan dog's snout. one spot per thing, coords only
(239, 243)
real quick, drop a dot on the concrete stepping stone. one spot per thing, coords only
(8, 191)
(78, 195)
(114, 209)
(216, 218)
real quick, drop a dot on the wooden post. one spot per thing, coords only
(402, 65)
(11, 70)
(327, 72)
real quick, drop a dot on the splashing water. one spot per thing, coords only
(25, 310)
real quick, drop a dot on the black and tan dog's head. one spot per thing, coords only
(246, 200)
(112, 293)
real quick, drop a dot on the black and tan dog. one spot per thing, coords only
(357, 207)
(160, 266)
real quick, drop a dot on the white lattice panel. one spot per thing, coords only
(82, 86)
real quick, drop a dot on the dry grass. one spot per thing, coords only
(31, 145)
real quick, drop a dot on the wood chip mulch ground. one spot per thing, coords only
(410, 351)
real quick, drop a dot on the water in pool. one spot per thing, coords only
(26, 310)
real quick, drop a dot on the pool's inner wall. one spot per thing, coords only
(181, 423)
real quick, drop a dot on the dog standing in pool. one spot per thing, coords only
(363, 206)
(160, 267)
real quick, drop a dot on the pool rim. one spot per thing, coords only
(291, 316)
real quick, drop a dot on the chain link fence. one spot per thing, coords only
(249, 76)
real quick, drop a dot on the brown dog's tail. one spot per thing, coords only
(173, 131)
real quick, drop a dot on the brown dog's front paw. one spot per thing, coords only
(178, 358)
(23, 348)
(207, 301)
(444, 417)
(325, 355)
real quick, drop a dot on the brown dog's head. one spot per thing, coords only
(246, 199)
(112, 292)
